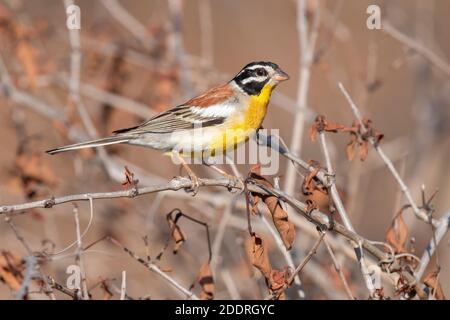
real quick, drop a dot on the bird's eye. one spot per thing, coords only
(260, 72)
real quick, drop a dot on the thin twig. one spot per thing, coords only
(154, 268)
(217, 243)
(230, 284)
(306, 48)
(437, 61)
(19, 237)
(338, 269)
(332, 185)
(120, 102)
(74, 88)
(176, 48)
(343, 214)
(53, 284)
(79, 256)
(299, 267)
(206, 31)
(123, 287)
(307, 258)
(30, 264)
(286, 254)
(418, 212)
(129, 22)
(441, 230)
(47, 288)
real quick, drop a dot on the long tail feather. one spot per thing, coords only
(91, 144)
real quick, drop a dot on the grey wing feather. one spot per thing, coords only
(176, 119)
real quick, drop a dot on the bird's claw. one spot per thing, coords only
(195, 184)
(236, 182)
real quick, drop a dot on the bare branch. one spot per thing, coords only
(418, 212)
(154, 268)
(338, 269)
(343, 213)
(299, 267)
(306, 48)
(434, 59)
(79, 256)
(441, 230)
(123, 287)
(316, 217)
(129, 22)
(286, 254)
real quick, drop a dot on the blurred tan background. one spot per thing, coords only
(405, 96)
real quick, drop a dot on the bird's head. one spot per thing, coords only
(256, 75)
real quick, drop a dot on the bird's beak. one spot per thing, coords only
(280, 75)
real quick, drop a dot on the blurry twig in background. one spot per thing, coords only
(441, 230)
(418, 212)
(129, 22)
(177, 53)
(83, 294)
(206, 31)
(123, 287)
(31, 261)
(153, 267)
(331, 185)
(74, 86)
(286, 254)
(434, 59)
(90, 91)
(338, 269)
(300, 266)
(53, 284)
(192, 62)
(230, 284)
(307, 44)
(440, 227)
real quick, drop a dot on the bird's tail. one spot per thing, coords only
(91, 144)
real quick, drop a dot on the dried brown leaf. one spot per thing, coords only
(313, 132)
(397, 234)
(206, 281)
(321, 124)
(176, 233)
(130, 181)
(363, 150)
(309, 185)
(350, 149)
(277, 280)
(259, 256)
(32, 166)
(431, 280)
(11, 268)
(284, 227)
(360, 139)
(280, 219)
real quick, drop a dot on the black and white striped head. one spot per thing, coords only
(254, 76)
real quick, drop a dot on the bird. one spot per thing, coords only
(211, 123)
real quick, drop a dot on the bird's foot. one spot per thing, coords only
(236, 182)
(195, 183)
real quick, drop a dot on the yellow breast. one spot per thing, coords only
(244, 124)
